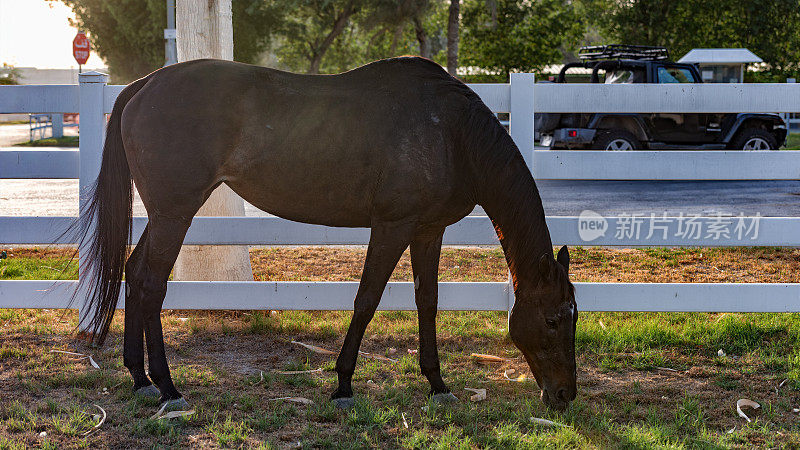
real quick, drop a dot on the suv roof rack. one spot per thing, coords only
(616, 51)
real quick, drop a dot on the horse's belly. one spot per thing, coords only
(327, 175)
(309, 212)
(307, 199)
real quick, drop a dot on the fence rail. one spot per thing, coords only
(35, 99)
(621, 231)
(453, 296)
(521, 98)
(548, 164)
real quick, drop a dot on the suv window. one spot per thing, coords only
(674, 75)
(624, 76)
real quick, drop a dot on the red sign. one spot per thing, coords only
(81, 48)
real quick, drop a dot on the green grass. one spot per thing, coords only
(66, 141)
(229, 433)
(793, 141)
(628, 396)
(37, 269)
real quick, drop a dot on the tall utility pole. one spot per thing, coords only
(205, 30)
(170, 36)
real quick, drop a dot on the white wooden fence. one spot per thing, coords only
(93, 98)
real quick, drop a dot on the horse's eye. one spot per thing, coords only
(551, 323)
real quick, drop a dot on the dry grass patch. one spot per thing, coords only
(653, 265)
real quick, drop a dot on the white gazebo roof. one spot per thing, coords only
(720, 56)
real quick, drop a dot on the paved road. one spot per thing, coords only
(561, 198)
(16, 134)
(13, 134)
(768, 198)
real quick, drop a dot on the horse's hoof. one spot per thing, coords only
(444, 397)
(178, 404)
(149, 391)
(343, 402)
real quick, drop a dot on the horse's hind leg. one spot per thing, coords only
(387, 243)
(133, 354)
(425, 252)
(148, 286)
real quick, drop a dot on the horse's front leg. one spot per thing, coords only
(387, 242)
(425, 252)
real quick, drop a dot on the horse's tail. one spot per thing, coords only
(104, 248)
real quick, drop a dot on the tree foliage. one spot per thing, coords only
(129, 34)
(769, 28)
(393, 25)
(328, 36)
(405, 27)
(315, 36)
(517, 35)
(8, 74)
(495, 36)
(310, 29)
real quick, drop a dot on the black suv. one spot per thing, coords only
(643, 64)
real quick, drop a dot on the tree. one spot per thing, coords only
(205, 27)
(129, 34)
(8, 74)
(453, 25)
(332, 36)
(766, 27)
(310, 29)
(393, 17)
(517, 35)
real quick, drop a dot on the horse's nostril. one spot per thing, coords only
(562, 395)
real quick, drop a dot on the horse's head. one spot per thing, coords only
(542, 326)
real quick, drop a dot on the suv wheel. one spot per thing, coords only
(754, 139)
(616, 140)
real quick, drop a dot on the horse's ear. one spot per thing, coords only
(545, 264)
(563, 258)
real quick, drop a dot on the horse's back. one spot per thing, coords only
(330, 149)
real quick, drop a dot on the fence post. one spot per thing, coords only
(521, 120)
(58, 125)
(788, 116)
(91, 131)
(511, 299)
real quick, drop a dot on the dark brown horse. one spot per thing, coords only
(398, 146)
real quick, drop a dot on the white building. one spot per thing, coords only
(721, 65)
(33, 75)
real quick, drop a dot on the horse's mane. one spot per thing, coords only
(505, 188)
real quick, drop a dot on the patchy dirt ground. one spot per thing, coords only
(645, 380)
